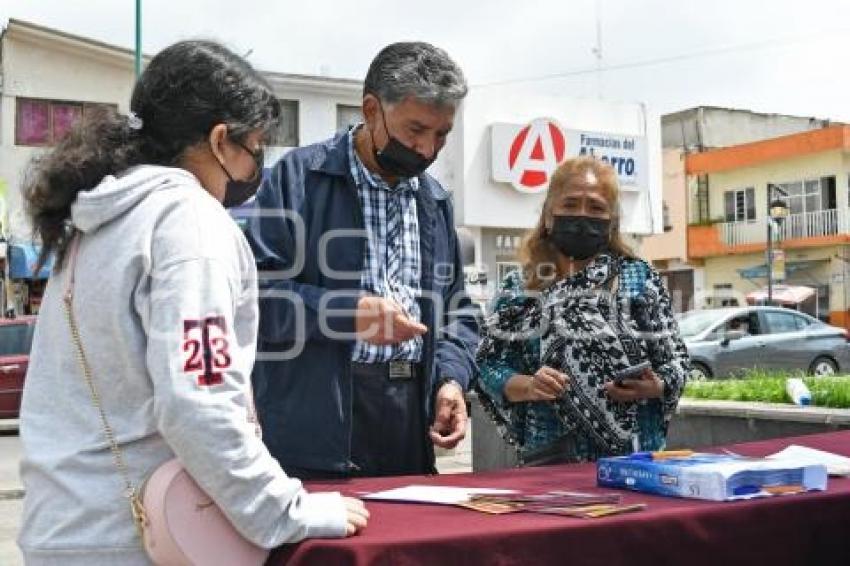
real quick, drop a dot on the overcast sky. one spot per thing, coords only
(784, 56)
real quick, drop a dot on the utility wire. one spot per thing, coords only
(674, 58)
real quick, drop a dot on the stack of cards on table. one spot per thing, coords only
(570, 503)
(499, 501)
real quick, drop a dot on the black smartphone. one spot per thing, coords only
(631, 372)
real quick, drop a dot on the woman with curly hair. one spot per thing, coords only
(163, 289)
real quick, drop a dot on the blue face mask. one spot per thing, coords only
(397, 159)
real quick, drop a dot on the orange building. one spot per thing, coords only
(728, 199)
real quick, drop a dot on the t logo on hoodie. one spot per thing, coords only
(206, 354)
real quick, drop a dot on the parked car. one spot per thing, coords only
(723, 342)
(15, 341)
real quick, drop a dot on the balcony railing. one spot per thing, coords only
(828, 222)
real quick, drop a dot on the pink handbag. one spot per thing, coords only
(183, 527)
(178, 523)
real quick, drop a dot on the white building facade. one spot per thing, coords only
(506, 141)
(50, 79)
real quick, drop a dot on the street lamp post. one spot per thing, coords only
(777, 211)
(138, 58)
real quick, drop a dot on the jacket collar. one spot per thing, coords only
(332, 159)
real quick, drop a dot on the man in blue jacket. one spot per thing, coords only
(367, 339)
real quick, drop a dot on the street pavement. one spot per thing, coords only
(10, 513)
(11, 491)
(10, 494)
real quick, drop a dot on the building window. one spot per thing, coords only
(723, 296)
(45, 122)
(809, 195)
(848, 190)
(797, 200)
(702, 198)
(503, 268)
(33, 122)
(740, 205)
(65, 117)
(665, 217)
(348, 116)
(286, 134)
(828, 193)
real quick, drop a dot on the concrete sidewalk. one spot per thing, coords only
(10, 457)
(11, 492)
(459, 460)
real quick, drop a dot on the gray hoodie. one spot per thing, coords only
(166, 301)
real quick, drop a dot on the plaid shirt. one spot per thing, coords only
(393, 265)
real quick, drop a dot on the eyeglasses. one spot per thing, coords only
(258, 155)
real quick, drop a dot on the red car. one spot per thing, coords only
(15, 342)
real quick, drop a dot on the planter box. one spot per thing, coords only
(710, 423)
(696, 424)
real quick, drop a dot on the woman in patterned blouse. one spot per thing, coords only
(583, 309)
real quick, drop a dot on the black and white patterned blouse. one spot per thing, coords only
(613, 314)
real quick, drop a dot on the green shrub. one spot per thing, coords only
(769, 387)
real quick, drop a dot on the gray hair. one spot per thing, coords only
(415, 69)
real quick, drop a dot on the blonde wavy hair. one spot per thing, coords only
(537, 251)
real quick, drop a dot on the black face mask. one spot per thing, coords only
(580, 237)
(237, 191)
(397, 159)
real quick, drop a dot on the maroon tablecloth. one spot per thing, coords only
(811, 528)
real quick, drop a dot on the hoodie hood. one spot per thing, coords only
(116, 195)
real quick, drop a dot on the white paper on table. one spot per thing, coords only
(836, 465)
(438, 494)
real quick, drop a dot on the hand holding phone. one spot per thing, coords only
(631, 372)
(634, 383)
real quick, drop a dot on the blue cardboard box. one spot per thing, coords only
(717, 477)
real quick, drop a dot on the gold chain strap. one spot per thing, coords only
(136, 508)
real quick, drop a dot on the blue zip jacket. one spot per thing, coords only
(302, 377)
